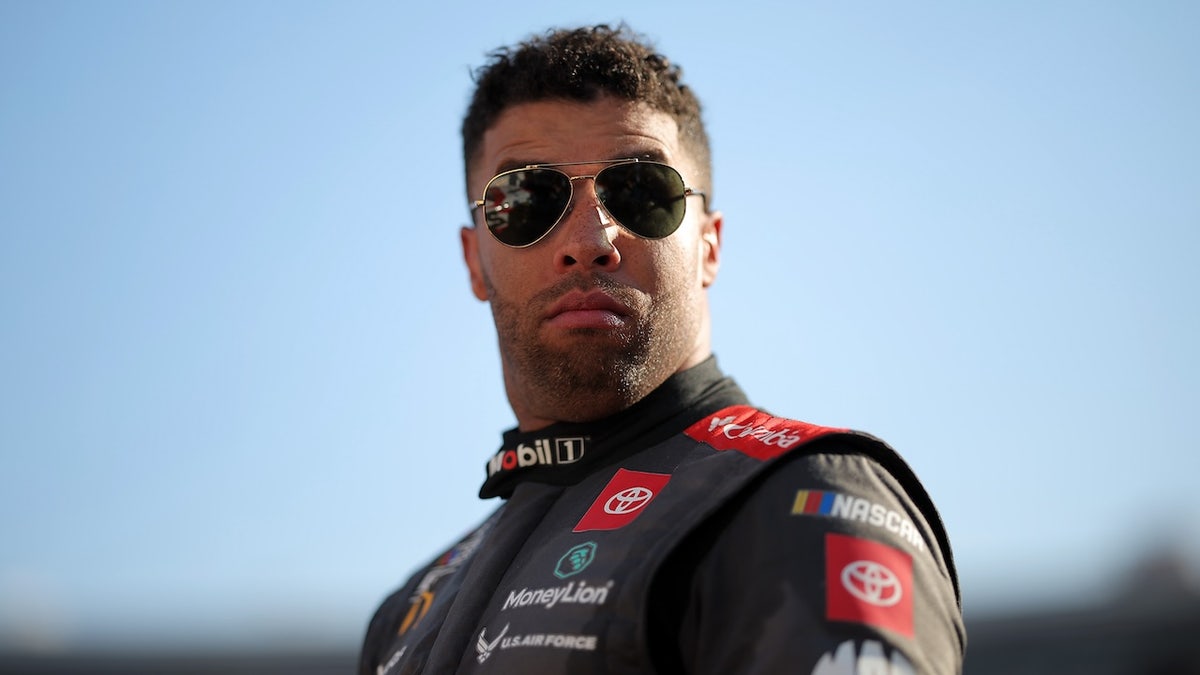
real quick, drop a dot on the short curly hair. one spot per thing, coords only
(583, 64)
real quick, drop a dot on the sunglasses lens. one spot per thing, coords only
(645, 197)
(521, 206)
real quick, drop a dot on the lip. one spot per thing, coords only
(593, 309)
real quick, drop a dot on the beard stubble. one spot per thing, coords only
(595, 372)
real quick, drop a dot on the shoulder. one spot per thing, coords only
(828, 474)
(767, 438)
(403, 608)
(828, 535)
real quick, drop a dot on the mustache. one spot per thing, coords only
(581, 282)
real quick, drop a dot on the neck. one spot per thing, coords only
(672, 407)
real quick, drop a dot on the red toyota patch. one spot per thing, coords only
(622, 500)
(868, 582)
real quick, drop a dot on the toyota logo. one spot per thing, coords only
(871, 582)
(628, 500)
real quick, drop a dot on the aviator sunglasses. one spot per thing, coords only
(522, 205)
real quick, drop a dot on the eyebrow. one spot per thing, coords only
(508, 164)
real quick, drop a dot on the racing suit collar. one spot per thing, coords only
(565, 452)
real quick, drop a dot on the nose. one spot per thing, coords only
(588, 237)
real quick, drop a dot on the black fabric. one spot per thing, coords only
(520, 518)
(674, 587)
(717, 571)
(669, 409)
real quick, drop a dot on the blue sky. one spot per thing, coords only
(246, 388)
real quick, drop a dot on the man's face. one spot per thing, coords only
(593, 317)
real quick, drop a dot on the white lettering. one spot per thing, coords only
(543, 452)
(909, 532)
(783, 438)
(859, 510)
(570, 594)
(553, 640)
(841, 506)
(718, 422)
(570, 450)
(849, 507)
(526, 456)
(382, 670)
(877, 515)
(893, 521)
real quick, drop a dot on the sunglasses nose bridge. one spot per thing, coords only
(595, 192)
(584, 177)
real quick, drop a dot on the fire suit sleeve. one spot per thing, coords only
(826, 565)
(381, 631)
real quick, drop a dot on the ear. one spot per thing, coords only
(710, 247)
(469, 236)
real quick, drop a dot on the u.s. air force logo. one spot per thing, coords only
(485, 648)
(869, 657)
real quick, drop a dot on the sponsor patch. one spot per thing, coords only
(575, 560)
(868, 582)
(754, 433)
(543, 452)
(385, 668)
(858, 509)
(419, 607)
(485, 647)
(622, 500)
(870, 658)
(444, 566)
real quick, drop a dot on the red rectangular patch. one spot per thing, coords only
(622, 500)
(754, 433)
(868, 582)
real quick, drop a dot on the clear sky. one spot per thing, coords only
(244, 388)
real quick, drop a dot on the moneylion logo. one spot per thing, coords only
(485, 648)
(575, 560)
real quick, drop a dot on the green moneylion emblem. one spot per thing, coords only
(575, 560)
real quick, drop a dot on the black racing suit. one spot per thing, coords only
(690, 533)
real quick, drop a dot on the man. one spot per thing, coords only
(653, 521)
